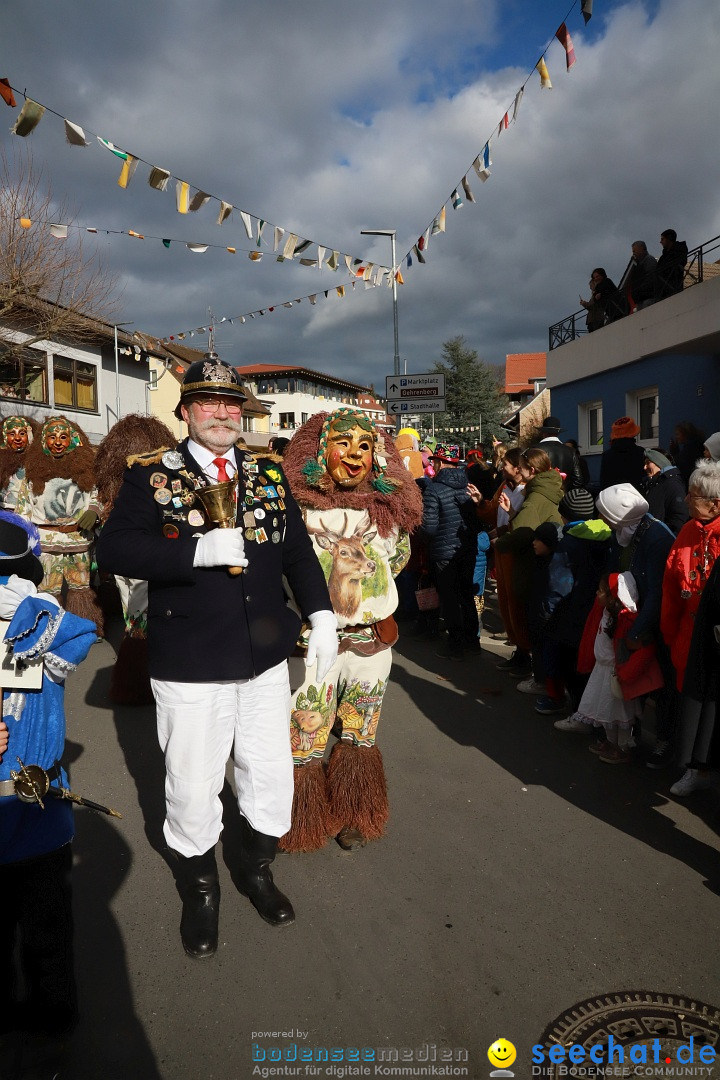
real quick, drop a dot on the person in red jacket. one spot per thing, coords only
(688, 568)
(689, 564)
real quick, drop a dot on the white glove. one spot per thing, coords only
(221, 547)
(322, 646)
(13, 594)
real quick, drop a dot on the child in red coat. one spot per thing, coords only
(618, 676)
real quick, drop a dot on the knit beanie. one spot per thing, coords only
(658, 459)
(622, 504)
(713, 445)
(577, 505)
(624, 428)
(547, 533)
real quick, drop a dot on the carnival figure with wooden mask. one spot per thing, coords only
(16, 434)
(58, 495)
(359, 505)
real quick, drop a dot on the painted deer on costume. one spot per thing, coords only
(350, 564)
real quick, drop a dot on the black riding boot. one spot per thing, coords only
(197, 878)
(255, 878)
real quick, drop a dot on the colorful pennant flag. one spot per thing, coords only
(586, 8)
(247, 222)
(518, 99)
(28, 119)
(75, 134)
(127, 171)
(112, 148)
(158, 178)
(182, 196)
(566, 41)
(6, 93)
(545, 83)
(198, 201)
(226, 210)
(59, 231)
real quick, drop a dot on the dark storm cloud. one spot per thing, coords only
(327, 118)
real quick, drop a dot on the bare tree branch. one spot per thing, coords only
(49, 288)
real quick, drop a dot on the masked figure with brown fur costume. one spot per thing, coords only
(359, 505)
(16, 434)
(128, 439)
(58, 495)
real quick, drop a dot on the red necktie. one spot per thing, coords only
(221, 465)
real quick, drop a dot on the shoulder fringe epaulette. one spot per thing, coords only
(256, 455)
(152, 457)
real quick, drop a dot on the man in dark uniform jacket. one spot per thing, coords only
(219, 638)
(562, 457)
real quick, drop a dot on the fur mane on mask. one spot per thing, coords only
(134, 434)
(401, 508)
(11, 460)
(77, 465)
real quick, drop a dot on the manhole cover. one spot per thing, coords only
(648, 1034)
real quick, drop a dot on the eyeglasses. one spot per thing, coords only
(211, 405)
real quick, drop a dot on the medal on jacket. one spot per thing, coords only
(173, 460)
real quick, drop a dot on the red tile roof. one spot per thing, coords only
(520, 368)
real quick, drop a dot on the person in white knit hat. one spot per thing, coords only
(641, 544)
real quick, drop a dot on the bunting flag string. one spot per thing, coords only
(481, 164)
(339, 291)
(252, 253)
(159, 179)
(285, 243)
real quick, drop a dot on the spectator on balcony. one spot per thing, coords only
(623, 462)
(711, 447)
(605, 304)
(640, 289)
(670, 265)
(562, 457)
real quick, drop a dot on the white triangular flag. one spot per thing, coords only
(247, 222)
(75, 134)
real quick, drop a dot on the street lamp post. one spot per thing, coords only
(396, 356)
(117, 370)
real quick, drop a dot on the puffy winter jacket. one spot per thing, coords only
(585, 544)
(449, 519)
(688, 567)
(665, 494)
(645, 558)
(622, 464)
(542, 495)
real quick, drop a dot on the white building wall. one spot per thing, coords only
(131, 381)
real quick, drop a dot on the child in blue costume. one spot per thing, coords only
(35, 854)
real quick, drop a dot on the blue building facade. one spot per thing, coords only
(661, 366)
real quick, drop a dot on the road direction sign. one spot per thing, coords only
(415, 387)
(416, 405)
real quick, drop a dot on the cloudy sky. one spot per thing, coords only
(326, 118)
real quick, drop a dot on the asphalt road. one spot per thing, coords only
(519, 875)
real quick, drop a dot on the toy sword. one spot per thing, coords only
(32, 784)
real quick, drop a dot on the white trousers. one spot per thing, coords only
(199, 726)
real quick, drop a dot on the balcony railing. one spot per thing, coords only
(696, 270)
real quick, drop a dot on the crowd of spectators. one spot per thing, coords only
(610, 599)
(647, 280)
